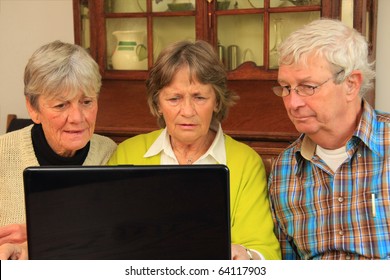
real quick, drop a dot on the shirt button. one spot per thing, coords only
(341, 232)
(340, 199)
(359, 155)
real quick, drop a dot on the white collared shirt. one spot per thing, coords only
(216, 154)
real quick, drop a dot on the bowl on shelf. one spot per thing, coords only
(223, 5)
(180, 7)
(301, 2)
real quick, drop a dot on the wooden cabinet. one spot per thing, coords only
(244, 32)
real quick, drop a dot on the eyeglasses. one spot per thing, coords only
(302, 90)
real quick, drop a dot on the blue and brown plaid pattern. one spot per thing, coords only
(321, 214)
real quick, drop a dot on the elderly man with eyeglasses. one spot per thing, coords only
(329, 190)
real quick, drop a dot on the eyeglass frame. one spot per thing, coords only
(297, 91)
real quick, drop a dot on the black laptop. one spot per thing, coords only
(163, 212)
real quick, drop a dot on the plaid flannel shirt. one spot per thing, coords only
(321, 214)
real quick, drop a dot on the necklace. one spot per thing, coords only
(190, 159)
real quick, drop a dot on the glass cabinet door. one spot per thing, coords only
(137, 30)
(83, 35)
(128, 35)
(127, 45)
(247, 42)
(125, 6)
(240, 32)
(281, 25)
(169, 29)
(258, 26)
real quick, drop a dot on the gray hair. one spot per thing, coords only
(204, 65)
(343, 47)
(57, 68)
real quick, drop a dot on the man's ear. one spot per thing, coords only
(353, 84)
(34, 114)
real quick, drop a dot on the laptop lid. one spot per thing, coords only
(128, 212)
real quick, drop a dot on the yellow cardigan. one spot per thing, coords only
(251, 220)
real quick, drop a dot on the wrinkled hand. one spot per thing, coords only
(239, 252)
(14, 233)
(11, 251)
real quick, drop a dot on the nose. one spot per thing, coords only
(187, 107)
(293, 100)
(75, 113)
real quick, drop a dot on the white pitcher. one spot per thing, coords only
(130, 53)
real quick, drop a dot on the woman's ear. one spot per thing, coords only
(216, 107)
(34, 114)
(353, 84)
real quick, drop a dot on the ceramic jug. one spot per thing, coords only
(130, 53)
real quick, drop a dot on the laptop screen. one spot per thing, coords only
(128, 212)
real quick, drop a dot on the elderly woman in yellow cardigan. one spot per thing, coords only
(187, 92)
